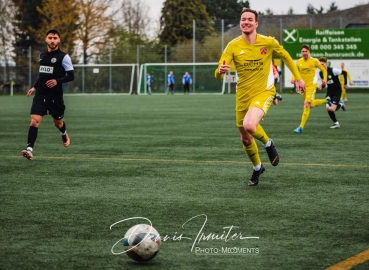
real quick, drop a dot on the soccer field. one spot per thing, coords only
(178, 161)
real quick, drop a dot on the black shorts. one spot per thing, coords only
(334, 95)
(48, 105)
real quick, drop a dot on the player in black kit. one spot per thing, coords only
(55, 69)
(334, 90)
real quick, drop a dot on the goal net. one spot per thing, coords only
(103, 78)
(202, 75)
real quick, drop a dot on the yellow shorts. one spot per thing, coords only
(309, 94)
(262, 101)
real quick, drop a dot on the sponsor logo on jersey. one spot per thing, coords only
(46, 69)
(53, 60)
(263, 50)
(242, 52)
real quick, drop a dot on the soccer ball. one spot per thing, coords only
(142, 242)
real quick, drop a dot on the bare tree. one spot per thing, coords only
(95, 26)
(134, 18)
(7, 11)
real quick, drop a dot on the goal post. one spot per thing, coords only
(103, 78)
(202, 75)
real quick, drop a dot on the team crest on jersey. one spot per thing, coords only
(53, 60)
(263, 50)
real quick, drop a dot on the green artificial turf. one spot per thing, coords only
(177, 159)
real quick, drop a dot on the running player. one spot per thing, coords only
(55, 69)
(307, 66)
(252, 55)
(334, 90)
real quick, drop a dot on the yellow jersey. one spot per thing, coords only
(307, 69)
(342, 78)
(253, 63)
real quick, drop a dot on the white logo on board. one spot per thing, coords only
(291, 36)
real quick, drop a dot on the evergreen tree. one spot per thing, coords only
(27, 17)
(269, 12)
(332, 7)
(290, 11)
(319, 11)
(310, 9)
(225, 9)
(176, 22)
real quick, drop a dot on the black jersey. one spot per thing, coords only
(53, 65)
(333, 80)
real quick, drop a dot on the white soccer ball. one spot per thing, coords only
(142, 242)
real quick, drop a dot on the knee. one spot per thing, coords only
(35, 122)
(249, 127)
(58, 124)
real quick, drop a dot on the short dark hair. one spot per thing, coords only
(250, 10)
(305, 46)
(53, 31)
(323, 59)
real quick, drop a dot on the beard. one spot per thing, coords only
(52, 46)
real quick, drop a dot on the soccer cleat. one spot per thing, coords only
(254, 180)
(65, 140)
(272, 154)
(329, 101)
(343, 107)
(298, 130)
(335, 125)
(27, 154)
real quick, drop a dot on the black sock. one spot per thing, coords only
(332, 115)
(338, 106)
(32, 136)
(63, 128)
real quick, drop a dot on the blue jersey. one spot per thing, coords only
(186, 79)
(148, 80)
(170, 79)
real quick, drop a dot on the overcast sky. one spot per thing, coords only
(277, 6)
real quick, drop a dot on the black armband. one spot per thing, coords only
(69, 76)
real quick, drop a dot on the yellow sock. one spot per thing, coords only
(260, 134)
(252, 152)
(318, 102)
(305, 117)
(343, 95)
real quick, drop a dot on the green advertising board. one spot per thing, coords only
(330, 43)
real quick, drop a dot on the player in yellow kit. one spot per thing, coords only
(342, 81)
(307, 66)
(252, 55)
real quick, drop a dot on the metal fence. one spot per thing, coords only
(24, 71)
